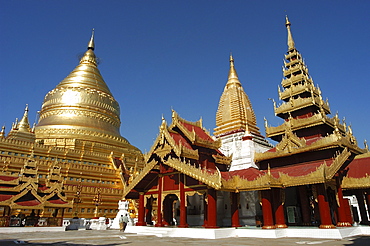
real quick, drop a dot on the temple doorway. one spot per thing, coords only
(171, 210)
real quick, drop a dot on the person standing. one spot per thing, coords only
(121, 222)
(125, 221)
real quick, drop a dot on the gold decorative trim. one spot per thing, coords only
(356, 183)
(211, 179)
(148, 167)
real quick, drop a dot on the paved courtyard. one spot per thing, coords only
(115, 237)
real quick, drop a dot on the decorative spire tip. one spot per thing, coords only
(91, 44)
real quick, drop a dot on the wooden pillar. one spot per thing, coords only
(205, 213)
(212, 208)
(305, 205)
(183, 213)
(342, 217)
(141, 212)
(234, 198)
(268, 221)
(279, 208)
(324, 209)
(361, 205)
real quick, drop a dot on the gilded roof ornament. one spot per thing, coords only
(366, 146)
(91, 44)
(291, 44)
(233, 76)
(2, 133)
(24, 124)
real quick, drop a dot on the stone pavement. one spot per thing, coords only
(113, 237)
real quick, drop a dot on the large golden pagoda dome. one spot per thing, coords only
(81, 107)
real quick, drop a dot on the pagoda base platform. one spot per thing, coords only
(251, 232)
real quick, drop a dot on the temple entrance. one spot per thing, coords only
(170, 210)
(149, 210)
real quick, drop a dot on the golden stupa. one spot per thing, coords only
(78, 135)
(235, 110)
(81, 112)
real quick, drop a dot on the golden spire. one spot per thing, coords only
(291, 44)
(91, 44)
(232, 73)
(24, 124)
(234, 111)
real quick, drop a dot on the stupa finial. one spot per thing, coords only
(232, 72)
(291, 44)
(91, 44)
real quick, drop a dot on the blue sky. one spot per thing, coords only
(159, 55)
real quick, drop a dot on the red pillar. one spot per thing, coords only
(141, 214)
(324, 209)
(212, 209)
(342, 217)
(268, 221)
(159, 202)
(234, 209)
(279, 208)
(205, 214)
(305, 205)
(183, 214)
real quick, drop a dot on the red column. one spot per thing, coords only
(212, 209)
(205, 213)
(141, 214)
(279, 209)
(268, 221)
(324, 209)
(183, 214)
(159, 202)
(342, 218)
(305, 205)
(234, 209)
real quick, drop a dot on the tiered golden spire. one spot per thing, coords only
(303, 106)
(235, 111)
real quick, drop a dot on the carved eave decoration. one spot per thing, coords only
(11, 202)
(330, 141)
(211, 179)
(322, 174)
(297, 124)
(225, 160)
(208, 178)
(14, 181)
(165, 144)
(237, 183)
(191, 135)
(148, 167)
(290, 141)
(356, 183)
(68, 204)
(299, 103)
